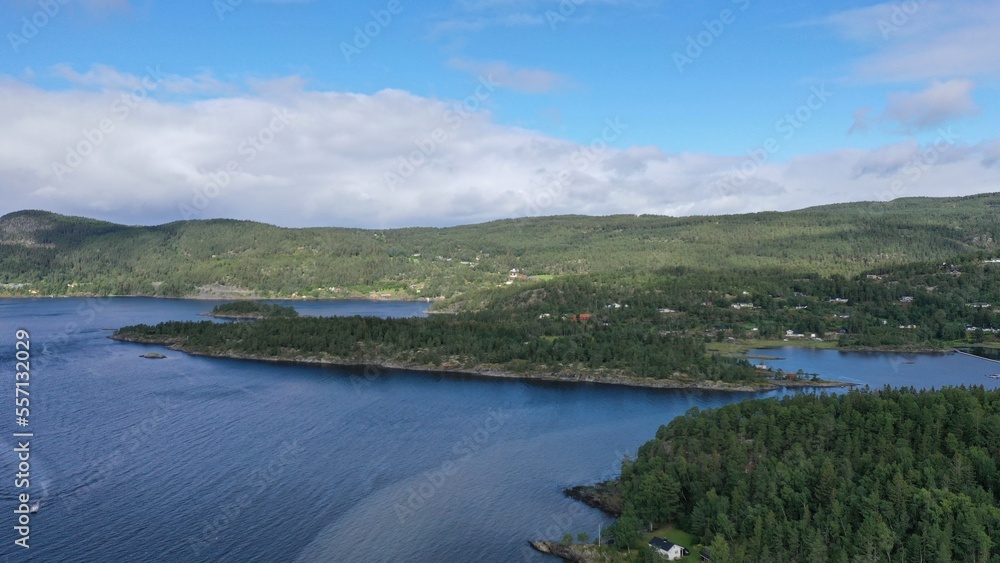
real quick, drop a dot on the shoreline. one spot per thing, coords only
(222, 298)
(239, 316)
(620, 381)
(741, 349)
(574, 553)
(957, 351)
(605, 496)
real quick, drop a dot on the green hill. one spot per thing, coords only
(888, 475)
(48, 254)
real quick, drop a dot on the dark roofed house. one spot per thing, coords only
(668, 549)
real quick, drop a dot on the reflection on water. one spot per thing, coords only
(982, 352)
(877, 369)
(203, 459)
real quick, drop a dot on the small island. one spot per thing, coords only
(249, 310)
(153, 356)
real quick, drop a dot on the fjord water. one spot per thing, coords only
(205, 459)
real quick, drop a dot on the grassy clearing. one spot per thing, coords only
(678, 537)
(741, 347)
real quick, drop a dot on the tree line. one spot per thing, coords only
(58, 255)
(468, 341)
(886, 475)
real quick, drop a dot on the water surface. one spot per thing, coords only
(206, 459)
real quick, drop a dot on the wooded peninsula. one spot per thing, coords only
(893, 474)
(886, 475)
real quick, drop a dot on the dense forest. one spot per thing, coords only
(888, 475)
(919, 305)
(657, 325)
(252, 310)
(47, 254)
(895, 475)
(468, 342)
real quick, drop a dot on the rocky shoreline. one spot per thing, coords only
(235, 316)
(576, 553)
(605, 496)
(619, 380)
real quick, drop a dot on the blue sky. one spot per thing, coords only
(848, 100)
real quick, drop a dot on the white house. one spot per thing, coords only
(667, 549)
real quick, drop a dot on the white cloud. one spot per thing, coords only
(329, 165)
(862, 120)
(476, 15)
(936, 105)
(100, 76)
(95, 6)
(529, 80)
(922, 40)
(107, 78)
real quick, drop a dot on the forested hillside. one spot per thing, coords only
(917, 305)
(47, 254)
(892, 475)
(655, 325)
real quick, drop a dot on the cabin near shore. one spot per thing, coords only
(670, 550)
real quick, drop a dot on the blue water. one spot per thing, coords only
(204, 459)
(875, 369)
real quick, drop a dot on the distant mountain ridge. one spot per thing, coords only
(44, 253)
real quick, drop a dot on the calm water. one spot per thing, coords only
(878, 369)
(202, 459)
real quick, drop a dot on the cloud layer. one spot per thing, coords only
(910, 112)
(296, 157)
(923, 40)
